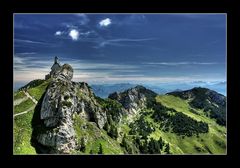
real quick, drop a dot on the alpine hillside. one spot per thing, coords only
(56, 115)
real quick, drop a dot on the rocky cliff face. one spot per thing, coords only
(134, 99)
(52, 123)
(88, 107)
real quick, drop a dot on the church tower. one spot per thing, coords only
(56, 60)
(54, 69)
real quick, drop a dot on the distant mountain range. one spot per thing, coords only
(103, 90)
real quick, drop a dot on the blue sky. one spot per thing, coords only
(114, 48)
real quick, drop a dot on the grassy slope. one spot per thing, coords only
(22, 123)
(19, 95)
(22, 134)
(215, 140)
(37, 92)
(212, 140)
(25, 105)
(94, 137)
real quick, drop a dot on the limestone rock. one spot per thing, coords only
(58, 106)
(65, 73)
(88, 106)
(134, 99)
(53, 130)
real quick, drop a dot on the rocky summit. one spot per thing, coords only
(53, 130)
(134, 99)
(55, 133)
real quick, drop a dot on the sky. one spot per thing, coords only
(119, 48)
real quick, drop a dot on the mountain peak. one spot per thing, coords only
(64, 72)
(206, 99)
(134, 99)
(53, 125)
(140, 87)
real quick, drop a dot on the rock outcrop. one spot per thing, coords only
(134, 99)
(88, 107)
(55, 133)
(52, 123)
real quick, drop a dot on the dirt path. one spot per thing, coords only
(30, 97)
(18, 101)
(31, 108)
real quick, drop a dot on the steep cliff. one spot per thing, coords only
(53, 130)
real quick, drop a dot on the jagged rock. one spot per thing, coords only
(57, 108)
(65, 73)
(134, 99)
(63, 98)
(88, 106)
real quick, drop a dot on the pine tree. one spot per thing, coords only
(100, 149)
(124, 143)
(144, 146)
(151, 146)
(156, 147)
(113, 132)
(137, 141)
(160, 141)
(83, 146)
(167, 149)
(91, 151)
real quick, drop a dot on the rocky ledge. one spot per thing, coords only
(52, 122)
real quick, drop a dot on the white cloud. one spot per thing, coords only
(80, 14)
(180, 63)
(134, 19)
(58, 33)
(130, 40)
(105, 22)
(87, 33)
(26, 53)
(29, 68)
(121, 42)
(83, 18)
(74, 34)
(18, 60)
(30, 41)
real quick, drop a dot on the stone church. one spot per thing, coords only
(54, 69)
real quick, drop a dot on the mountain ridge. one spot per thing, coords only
(208, 100)
(103, 90)
(70, 119)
